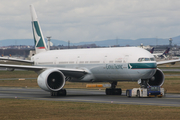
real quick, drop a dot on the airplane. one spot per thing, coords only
(152, 50)
(161, 55)
(55, 67)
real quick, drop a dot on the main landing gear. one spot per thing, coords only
(113, 90)
(61, 92)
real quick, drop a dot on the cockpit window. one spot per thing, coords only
(152, 59)
(143, 59)
(140, 59)
(146, 59)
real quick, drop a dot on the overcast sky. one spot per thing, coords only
(91, 20)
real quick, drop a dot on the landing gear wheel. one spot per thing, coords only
(113, 90)
(62, 92)
(116, 91)
(108, 91)
(54, 93)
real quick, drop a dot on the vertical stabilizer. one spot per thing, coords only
(166, 52)
(152, 50)
(40, 45)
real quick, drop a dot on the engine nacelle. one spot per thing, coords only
(157, 79)
(51, 80)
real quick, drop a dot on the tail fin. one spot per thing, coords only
(40, 45)
(152, 50)
(166, 52)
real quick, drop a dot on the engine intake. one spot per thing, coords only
(157, 79)
(51, 80)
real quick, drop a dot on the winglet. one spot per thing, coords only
(40, 45)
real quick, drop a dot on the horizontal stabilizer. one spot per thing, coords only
(17, 60)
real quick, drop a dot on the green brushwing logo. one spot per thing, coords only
(142, 66)
(37, 35)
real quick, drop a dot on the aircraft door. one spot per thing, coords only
(126, 67)
(109, 70)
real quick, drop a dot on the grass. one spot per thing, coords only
(177, 64)
(18, 109)
(171, 72)
(169, 67)
(18, 74)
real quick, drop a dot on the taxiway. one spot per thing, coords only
(87, 95)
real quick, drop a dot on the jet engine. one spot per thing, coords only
(51, 80)
(157, 79)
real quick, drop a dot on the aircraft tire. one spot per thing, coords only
(62, 92)
(54, 93)
(108, 91)
(119, 91)
(116, 91)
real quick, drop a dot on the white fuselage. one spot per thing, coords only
(103, 64)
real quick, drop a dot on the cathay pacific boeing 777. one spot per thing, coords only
(112, 65)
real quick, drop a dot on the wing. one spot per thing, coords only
(66, 71)
(168, 61)
(17, 60)
(157, 54)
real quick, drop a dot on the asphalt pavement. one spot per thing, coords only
(87, 95)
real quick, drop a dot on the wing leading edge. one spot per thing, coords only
(66, 71)
(168, 61)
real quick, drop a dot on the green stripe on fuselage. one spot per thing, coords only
(142, 65)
